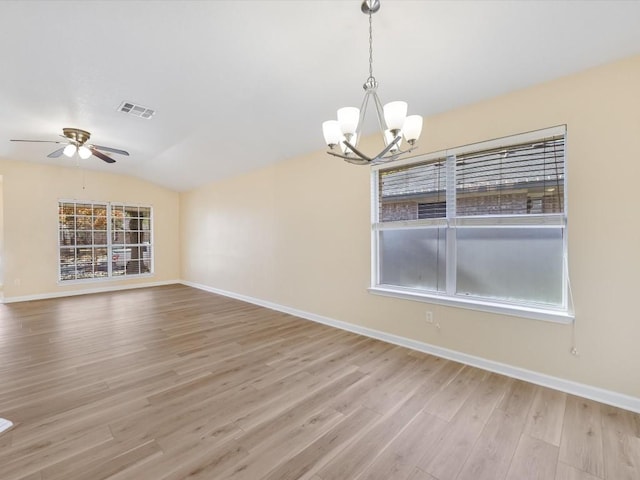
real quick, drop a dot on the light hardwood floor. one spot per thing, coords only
(176, 383)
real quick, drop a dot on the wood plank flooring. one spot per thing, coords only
(176, 383)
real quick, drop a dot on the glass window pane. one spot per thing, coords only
(100, 259)
(133, 237)
(99, 223)
(514, 264)
(67, 264)
(120, 256)
(84, 209)
(67, 237)
(118, 260)
(84, 223)
(146, 257)
(130, 211)
(133, 267)
(84, 238)
(100, 211)
(67, 209)
(407, 192)
(100, 238)
(413, 258)
(132, 224)
(117, 224)
(84, 262)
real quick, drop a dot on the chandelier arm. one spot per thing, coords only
(337, 154)
(402, 152)
(379, 111)
(388, 148)
(394, 155)
(373, 161)
(355, 161)
(363, 111)
(356, 151)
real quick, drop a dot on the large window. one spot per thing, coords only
(101, 240)
(482, 226)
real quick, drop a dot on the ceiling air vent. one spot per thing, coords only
(136, 110)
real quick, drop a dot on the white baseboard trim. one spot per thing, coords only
(71, 293)
(608, 397)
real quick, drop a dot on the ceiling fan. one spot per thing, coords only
(76, 142)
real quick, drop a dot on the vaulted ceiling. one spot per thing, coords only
(239, 84)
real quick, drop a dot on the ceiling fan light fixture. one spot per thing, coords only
(70, 150)
(84, 152)
(75, 142)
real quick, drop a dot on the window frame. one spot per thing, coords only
(561, 314)
(110, 245)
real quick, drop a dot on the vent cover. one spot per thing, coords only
(136, 110)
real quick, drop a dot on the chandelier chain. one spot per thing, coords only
(371, 46)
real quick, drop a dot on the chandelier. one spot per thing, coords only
(392, 118)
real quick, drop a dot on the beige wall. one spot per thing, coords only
(30, 204)
(297, 234)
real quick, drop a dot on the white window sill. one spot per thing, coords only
(80, 281)
(556, 316)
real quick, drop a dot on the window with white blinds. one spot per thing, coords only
(482, 224)
(102, 240)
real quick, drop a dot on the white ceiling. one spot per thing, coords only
(239, 84)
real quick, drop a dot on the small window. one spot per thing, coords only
(103, 240)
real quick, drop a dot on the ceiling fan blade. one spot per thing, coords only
(37, 141)
(101, 155)
(112, 150)
(56, 153)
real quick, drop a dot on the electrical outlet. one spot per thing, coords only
(17, 282)
(429, 317)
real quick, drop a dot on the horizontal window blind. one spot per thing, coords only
(516, 180)
(413, 192)
(432, 210)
